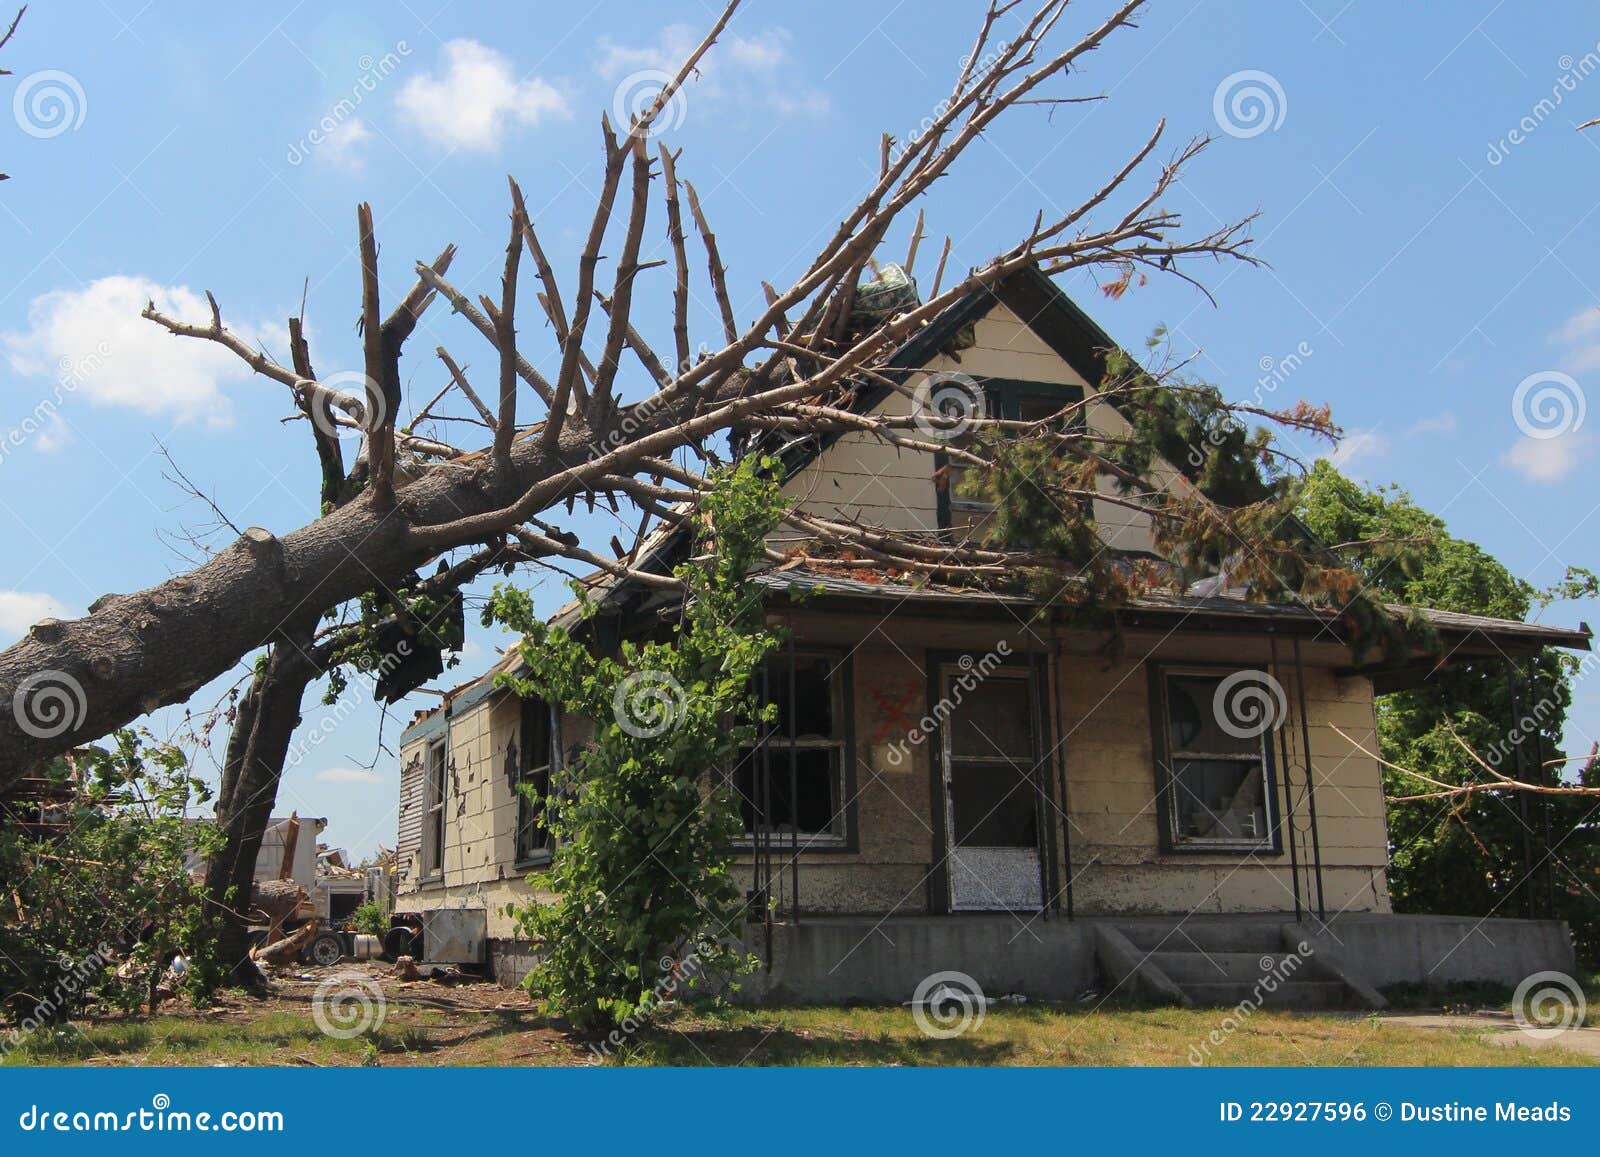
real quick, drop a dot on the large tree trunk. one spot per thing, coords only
(68, 683)
(134, 653)
(263, 726)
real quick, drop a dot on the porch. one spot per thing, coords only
(1027, 765)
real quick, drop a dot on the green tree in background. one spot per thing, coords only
(1464, 855)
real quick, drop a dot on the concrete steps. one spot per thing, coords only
(1225, 964)
(1222, 967)
(1204, 936)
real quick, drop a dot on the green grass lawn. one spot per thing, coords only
(281, 1032)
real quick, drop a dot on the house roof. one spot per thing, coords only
(1202, 612)
(1029, 293)
(426, 724)
(1075, 337)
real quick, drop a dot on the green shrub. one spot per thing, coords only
(642, 869)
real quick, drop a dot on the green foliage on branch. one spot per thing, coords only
(1218, 490)
(99, 898)
(644, 824)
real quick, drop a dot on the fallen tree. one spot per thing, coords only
(414, 496)
(69, 681)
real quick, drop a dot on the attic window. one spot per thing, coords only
(1218, 784)
(792, 784)
(1011, 400)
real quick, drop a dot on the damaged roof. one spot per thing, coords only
(1202, 611)
(1075, 337)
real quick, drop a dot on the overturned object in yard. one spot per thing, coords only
(287, 950)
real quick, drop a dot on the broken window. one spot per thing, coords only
(1002, 398)
(433, 814)
(535, 759)
(967, 514)
(792, 784)
(1218, 783)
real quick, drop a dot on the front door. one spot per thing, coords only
(990, 749)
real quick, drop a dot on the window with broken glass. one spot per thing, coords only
(535, 759)
(433, 815)
(792, 784)
(1008, 400)
(1218, 791)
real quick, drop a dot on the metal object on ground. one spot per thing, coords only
(455, 935)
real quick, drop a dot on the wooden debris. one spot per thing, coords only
(287, 950)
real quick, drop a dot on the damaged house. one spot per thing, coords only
(966, 781)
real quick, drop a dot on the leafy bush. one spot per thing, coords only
(99, 899)
(642, 869)
(371, 918)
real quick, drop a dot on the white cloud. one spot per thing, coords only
(346, 145)
(347, 775)
(1549, 406)
(1444, 423)
(19, 610)
(1580, 334)
(1551, 459)
(475, 99)
(93, 342)
(755, 71)
(1358, 446)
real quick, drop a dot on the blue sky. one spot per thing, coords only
(1426, 206)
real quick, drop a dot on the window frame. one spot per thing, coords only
(539, 856)
(1171, 843)
(1003, 398)
(841, 663)
(435, 777)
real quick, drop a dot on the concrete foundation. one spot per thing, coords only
(1388, 950)
(841, 961)
(865, 960)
